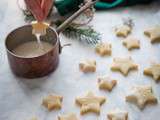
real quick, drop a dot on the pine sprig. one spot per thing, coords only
(87, 35)
(28, 16)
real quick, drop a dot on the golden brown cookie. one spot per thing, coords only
(123, 31)
(70, 116)
(153, 71)
(117, 114)
(153, 34)
(106, 83)
(34, 118)
(39, 27)
(124, 65)
(87, 66)
(103, 49)
(141, 96)
(90, 103)
(52, 102)
(131, 43)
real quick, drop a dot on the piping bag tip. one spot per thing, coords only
(39, 27)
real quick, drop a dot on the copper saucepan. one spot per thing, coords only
(42, 65)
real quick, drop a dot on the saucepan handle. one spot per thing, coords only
(64, 25)
(62, 46)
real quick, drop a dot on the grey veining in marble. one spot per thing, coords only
(20, 99)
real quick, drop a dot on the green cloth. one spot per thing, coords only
(67, 6)
(133, 2)
(105, 5)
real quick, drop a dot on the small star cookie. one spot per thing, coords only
(153, 34)
(106, 83)
(70, 116)
(141, 96)
(117, 115)
(154, 71)
(52, 102)
(124, 65)
(131, 43)
(90, 103)
(103, 49)
(34, 118)
(39, 27)
(123, 31)
(87, 66)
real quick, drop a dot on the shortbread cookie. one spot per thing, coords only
(90, 103)
(103, 49)
(153, 71)
(117, 115)
(106, 83)
(39, 27)
(52, 102)
(153, 34)
(70, 116)
(124, 65)
(87, 66)
(123, 31)
(34, 118)
(141, 96)
(131, 43)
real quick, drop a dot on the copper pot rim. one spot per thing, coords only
(17, 56)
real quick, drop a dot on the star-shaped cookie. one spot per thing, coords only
(103, 49)
(70, 116)
(117, 114)
(34, 118)
(52, 102)
(124, 65)
(141, 96)
(154, 71)
(90, 103)
(123, 31)
(106, 83)
(87, 66)
(131, 43)
(153, 34)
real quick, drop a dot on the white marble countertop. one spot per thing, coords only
(20, 99)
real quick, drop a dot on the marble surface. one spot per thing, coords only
(20, 99)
